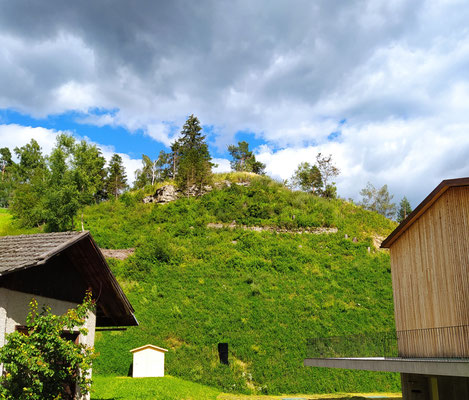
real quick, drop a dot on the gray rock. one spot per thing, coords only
(166, 194)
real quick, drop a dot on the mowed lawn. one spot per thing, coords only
(167, 388)
(171, 388)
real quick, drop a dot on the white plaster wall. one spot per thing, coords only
(148, 363)
(14, 308)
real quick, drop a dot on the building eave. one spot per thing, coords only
(423, 366)
(81, 258)
(422, 207)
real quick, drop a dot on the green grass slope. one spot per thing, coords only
(8, 227)
(264, 293)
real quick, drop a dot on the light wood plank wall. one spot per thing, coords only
(430, 276)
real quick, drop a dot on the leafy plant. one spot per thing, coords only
(378, 200)
(41, 363)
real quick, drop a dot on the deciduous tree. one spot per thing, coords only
(30, 185)
(31, 160)
(7, 166)
(328, 172)
(308, 178)
(153, 171)
(88, 173)
(62, 197)
(317, 178)
(378, 200)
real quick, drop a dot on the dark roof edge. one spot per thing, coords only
(422, 207)
(47, 256)
(43, 258)
(116, 286)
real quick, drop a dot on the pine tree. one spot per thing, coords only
(192, 161)
(404, 210)
(116, 180)
(244, 159)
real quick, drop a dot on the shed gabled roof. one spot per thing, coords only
(63, 266)
(422, 207)
(148, 346)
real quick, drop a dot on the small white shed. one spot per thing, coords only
(148, 361)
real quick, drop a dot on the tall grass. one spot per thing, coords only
(8, 226)
(264, 293)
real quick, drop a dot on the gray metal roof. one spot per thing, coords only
(23, 251)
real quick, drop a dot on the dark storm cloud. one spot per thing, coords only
(288, 71)
(269, 51)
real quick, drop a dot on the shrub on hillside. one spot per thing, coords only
(43, 365)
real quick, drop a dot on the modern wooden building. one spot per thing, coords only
(57, 269)
(430, 277)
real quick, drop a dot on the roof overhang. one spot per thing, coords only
(422, 207)
(423, 366)
(75, 265)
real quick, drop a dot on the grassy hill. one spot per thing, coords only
(264, 293)
(195, 283)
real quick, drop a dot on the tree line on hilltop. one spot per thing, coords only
(53, 189)
(318, 179)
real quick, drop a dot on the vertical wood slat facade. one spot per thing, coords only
(430, 274)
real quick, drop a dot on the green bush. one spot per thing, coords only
(43, 365)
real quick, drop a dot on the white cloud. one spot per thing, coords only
(13, 135)
(388, 152)
(223, 165)
(392, 70)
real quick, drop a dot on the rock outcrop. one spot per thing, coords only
(167, 193)
(164, 194)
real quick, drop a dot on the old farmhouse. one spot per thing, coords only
(57, 269)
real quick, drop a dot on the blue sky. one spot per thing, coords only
(123, 141)
(133, 143)
(381, 86)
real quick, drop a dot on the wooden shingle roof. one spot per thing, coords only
(24, 251)
(64, 266)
